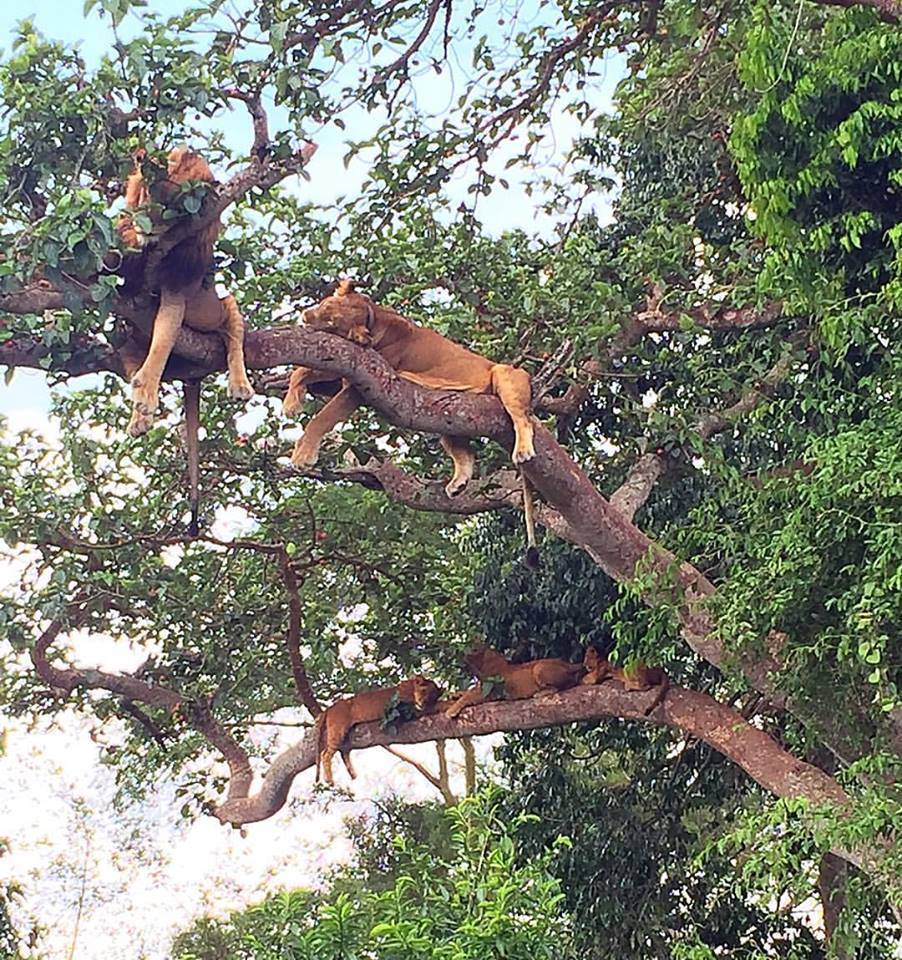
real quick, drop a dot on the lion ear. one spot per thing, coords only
(344, 288)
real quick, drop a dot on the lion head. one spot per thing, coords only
(425, 692)
(345, 313)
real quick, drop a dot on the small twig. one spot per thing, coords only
(420, 768)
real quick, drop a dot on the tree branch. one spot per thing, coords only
(401, 63)
(131, 688)
(293, 639)
(889, 11)
(261, 173)
(502, 488)
(650, 467)
(258, 118)
(693, 713)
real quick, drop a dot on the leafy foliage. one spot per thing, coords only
(471, 901)
(755, 151)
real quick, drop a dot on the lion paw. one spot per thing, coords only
(240, 389)
(302, 459)
(140, 422)
(291, 405)
(523, 452)
(455, 485)
(144, 400)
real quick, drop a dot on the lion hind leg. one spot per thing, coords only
(464, 459)
(346, 756)
(146, 381)
(326, 761)
(513, 388)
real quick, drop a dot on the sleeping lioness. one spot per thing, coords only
(335, 722)
(418, 354)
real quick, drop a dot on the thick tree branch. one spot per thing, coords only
(650, 467)
(890, 11)
(639, 483)
(693, 713)
(709, 316)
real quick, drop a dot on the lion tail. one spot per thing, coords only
(319, 732)
(192, 426)
(531, 558)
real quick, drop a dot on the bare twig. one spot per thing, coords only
(400, 65)
(424, 772)
(293, 639)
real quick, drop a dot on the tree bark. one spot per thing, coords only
(579, 513)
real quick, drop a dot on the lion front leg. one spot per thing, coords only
(297, 387)
(146, 381)
(469, 698)
(233, 333)
(340, 407)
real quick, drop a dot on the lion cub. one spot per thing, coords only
(335, 722)
(637, 677)
(520, 680)
(419, 355)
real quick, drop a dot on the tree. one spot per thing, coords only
(475, 902)
(718, 366)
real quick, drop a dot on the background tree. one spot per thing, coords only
(719, 363)
(471, 900)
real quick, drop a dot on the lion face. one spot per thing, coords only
(345, 314)
(482, 660)
(425, 692)
(184, 164)
(591, 659)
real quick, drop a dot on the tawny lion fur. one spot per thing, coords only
(335, 722)
(521, 680)
(421, 356)
(184, 296)
(637, 677)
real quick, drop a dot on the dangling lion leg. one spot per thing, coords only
(513, 388)
(464, 459)
(146, 382)
(340, 407)
(297, 387)
(233, 333)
